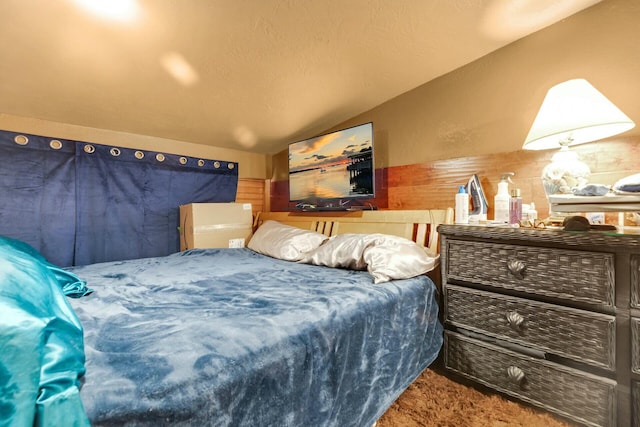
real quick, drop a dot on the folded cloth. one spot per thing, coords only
(591, 190)
(629, 184)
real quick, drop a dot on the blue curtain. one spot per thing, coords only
(80, 203)
(38, 191)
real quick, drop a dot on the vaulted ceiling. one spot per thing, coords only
(245, 74)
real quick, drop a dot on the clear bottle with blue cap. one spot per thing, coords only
(462, 206)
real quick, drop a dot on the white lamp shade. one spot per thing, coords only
(574, 112)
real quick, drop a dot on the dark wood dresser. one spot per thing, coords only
(550, 317)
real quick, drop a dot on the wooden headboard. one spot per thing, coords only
(417, 225)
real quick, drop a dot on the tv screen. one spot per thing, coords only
(335, 166)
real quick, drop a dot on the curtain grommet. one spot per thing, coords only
(139, 155)
(89, 149)
(55, 144)
(115, 152)
(21, 140)
(160, 157)
(216, 165)
(200, 162)
(183, 160)
(231, 166)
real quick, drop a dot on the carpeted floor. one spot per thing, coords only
(433, 400)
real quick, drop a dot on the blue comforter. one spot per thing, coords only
(222, 337)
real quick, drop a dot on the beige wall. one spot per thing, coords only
(488, 106)
(485, 107)
(250, 165)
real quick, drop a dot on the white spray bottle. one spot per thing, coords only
(501, 199)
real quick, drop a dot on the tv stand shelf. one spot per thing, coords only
(608, 203)
(326, 209)
(339, 209)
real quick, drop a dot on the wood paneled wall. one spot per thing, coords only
(253, 191)
(433, 185)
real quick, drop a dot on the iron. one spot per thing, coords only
(478, 200)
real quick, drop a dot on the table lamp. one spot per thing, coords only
(573, 112)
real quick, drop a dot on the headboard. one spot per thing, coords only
(417, 225)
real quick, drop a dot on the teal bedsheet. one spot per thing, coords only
(41, 343)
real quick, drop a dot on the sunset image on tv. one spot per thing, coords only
(337, 165)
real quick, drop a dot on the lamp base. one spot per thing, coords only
(564, 172)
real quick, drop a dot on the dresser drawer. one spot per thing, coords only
(580, 335)
(569, 275)
(577, 395)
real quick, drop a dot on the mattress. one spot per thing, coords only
(229, 337)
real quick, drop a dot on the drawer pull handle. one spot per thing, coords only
(515, 374)
(517, 268)
(515, 319)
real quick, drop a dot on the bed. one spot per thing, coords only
(243, 337)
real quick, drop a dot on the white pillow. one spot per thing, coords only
(393, 257)
(283, 241)
(341, 251)
(386, 257)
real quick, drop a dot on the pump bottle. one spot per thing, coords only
(532, 214)
(515, 207)
(502, 198)
(462, 206)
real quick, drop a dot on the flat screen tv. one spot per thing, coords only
(333, 169)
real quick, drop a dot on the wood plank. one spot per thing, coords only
(251, 191)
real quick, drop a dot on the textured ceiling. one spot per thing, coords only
(264, 72)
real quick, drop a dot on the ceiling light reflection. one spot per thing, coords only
(119, 10)
(506, 19)
(179, 68)
(245, 136)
